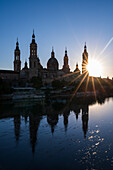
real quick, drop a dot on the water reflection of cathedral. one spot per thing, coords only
(17, 122)
(35, 113)
(85, 119)
(52, 119)
(34, 122)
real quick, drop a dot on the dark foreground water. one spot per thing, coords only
(57, 136)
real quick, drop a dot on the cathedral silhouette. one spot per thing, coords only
(35, 68)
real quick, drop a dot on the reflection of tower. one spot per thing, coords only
(17, 62)
(85, 119)
(17, 123)
(52, 120)
(34, 122)
(77, 111)
(25, 119)
(66, 114)
(84, 60)
(66, 68)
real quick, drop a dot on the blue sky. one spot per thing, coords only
(57, 23)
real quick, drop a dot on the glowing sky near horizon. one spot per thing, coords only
(58, 23)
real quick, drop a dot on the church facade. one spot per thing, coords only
(35, 68)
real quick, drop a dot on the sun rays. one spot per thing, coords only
(89, 82)
(94, 68)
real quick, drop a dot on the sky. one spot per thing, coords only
(58, 23)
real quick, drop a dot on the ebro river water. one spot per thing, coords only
(57, 136)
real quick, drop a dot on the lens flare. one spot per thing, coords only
(94, 68)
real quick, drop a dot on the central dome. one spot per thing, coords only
(52, 63)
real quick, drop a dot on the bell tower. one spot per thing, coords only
(66, 68)
(17, 61)
(33, 59)
(84, 60)
(34, 62)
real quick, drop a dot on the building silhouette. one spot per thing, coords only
(17, 61)
(66, 68)
(35, 69)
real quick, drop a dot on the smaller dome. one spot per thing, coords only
(52, 64)
(25, 66)
(77, 69)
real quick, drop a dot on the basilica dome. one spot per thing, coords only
(52, 63)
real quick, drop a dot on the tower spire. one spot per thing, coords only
(77, 65)
(17, 44)
(85, 47)
(25, 64)
(33, 36)
(52, 53)
(65, 51)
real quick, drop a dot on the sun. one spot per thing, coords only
(94, 68)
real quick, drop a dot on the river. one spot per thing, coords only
(57, 136)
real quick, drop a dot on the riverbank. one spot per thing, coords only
(50, 97)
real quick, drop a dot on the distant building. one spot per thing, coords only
(35, 68)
